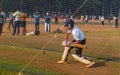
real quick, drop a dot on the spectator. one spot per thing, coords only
(116, 22)
(47, 22)
(109, 19)
(10, 21)
(23, 22)
(36, 21)
(2, 19)
(56, 19)
(102, 21)
(86, 18)
(17, 17)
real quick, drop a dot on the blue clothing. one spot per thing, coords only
(1, 19)
(47, 18)
(2, 16)
(36, 19)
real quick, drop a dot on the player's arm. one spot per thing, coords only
(14, 15)
(66, 37)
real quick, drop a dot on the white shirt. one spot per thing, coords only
(102, 18)
(2, 13)
(17, 16)
(11, 16)
(77, 33)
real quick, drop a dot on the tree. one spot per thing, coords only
(92, 7)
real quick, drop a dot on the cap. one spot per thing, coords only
(69, 22)
(37, 12)
(47, 13)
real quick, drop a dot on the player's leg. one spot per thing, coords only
(48, 28)
(18, 26)
(9, 25)
(14, 28)
(12, 23)
(83, 60)
(0, 28)
(78, 56)
(66, 53)
(22, 26)
(35, 26)
(79, 50)
(64, 56)
(70, 48)
(25, 28)
(38, 27)
(45, 29)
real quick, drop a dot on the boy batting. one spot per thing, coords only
(79, 38)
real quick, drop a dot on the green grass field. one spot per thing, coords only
(16, 51)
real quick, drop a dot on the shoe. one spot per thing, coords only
(62, 62)
(90, 65)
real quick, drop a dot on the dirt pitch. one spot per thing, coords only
(103, 48)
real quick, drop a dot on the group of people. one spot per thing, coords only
(47, 18)
(17, 20)
(86, 18)
(36, 22)
(115, 20)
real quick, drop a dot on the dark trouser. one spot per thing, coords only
(23, 25)
(102, 22)
(78, 50)
(16, 27)
(56, 21)
(116, 24)
(1, 27)
(36, 26)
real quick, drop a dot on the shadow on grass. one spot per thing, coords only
(113, 59)
(102, 61)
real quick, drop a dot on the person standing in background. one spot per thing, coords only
(10, 21)
(102, 21)
(2, 20)
(56, 19)
(82, 18)
(47, 18)
(17, 17)
(23, 22)
(36, 20)
(116, 22)
(86, 19)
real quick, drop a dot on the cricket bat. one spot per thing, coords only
(80, 46)
(31, 33)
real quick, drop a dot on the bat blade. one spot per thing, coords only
(80, 46)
